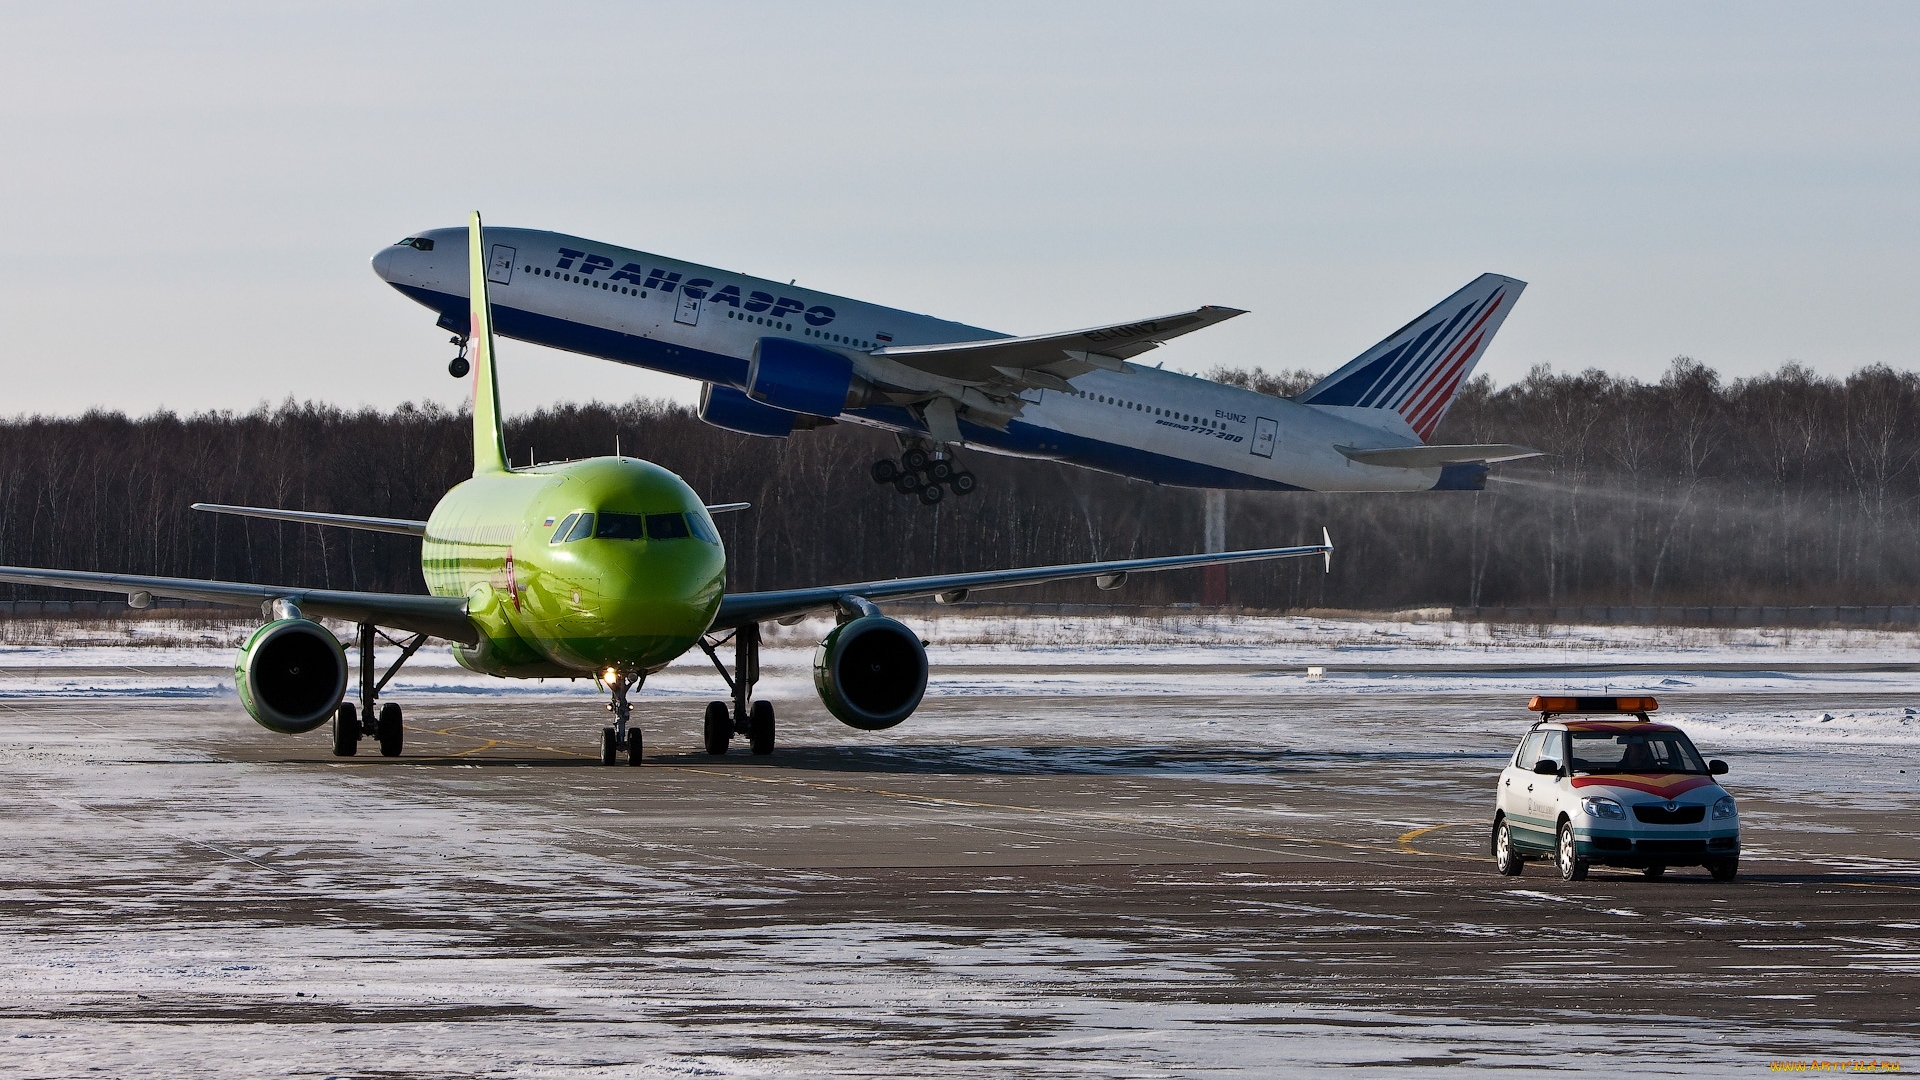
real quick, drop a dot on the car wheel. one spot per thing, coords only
(1572, 867)
(1724, 869)
(1505, 859)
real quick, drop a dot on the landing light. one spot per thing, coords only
(609, 675)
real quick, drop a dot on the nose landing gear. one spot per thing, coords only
(620, 736)
(927, 476)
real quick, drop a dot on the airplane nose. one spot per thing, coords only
(383, 263)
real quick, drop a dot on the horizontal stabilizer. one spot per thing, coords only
(402, 526)
(1432, 457)
(726, 508)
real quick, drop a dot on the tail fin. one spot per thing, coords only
(489, 436)
(1416, 371)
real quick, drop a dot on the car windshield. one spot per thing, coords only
(1634, 752)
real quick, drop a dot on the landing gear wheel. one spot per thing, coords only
(963, 483)
(760, 727)
(915, 460)
(718, 729)
(633, 745)
(940, 471)
(458, 367)
(346, 730)
(932, 494)
(1654, 872)
(609, 746)
(908, 483)
(389, 730)
(1505, 859)
(1724, 869)
(1572, 867)
(885, 471)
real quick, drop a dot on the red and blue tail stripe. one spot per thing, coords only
(1417, 371)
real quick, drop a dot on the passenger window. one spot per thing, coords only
(667, 527)
(621, 527)
(1553, 746)
(582, 529)
(566, 526)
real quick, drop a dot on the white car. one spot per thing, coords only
(1597, 783)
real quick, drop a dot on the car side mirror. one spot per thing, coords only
(1546, 766)
(1716, 767)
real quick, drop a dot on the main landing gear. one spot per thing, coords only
(621, 736)
(458, 366)
(743, 715)
(350, 725)
(928, 476)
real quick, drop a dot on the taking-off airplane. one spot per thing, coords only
(608, 568)
(775, 358)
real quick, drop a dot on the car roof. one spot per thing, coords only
(1626, 724)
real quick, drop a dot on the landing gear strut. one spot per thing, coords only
(620, 736)
(458, 366)
(384, 723)
(742, 715)
(926, 475)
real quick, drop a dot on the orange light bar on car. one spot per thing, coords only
(1542, 704)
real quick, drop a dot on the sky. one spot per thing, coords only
(192, 191)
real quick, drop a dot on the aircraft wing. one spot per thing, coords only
(739, 609)
(1046, 361)
(437, 616)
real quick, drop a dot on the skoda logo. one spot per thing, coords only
(1672, 806)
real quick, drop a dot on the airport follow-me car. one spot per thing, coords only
(1596, 782)
(608, 568)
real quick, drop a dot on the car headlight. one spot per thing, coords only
(1596, 807)
(1723, 808)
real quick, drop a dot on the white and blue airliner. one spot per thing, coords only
(776, 357)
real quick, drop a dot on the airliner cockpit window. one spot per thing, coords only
(621, 527)
(667, 527)
(581, 529)
(561, 534)
(418, 243)
(702, 527)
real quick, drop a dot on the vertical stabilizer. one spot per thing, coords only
(489, 437)
(1413, 375)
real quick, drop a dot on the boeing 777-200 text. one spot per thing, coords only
(775, 358)
(607, 568)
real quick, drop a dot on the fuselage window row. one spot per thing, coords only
(624, 290)
(1186, 417)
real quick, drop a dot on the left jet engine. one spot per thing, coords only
(871, 672)
(291, 674)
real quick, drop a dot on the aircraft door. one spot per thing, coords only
(688, 311)
(500, 265)
(1265, 433)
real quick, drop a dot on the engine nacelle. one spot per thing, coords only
(291, 675)
(799, 378)
(729, 409)
(871, 672)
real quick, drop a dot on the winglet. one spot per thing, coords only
(1327, 539)
(489, 436)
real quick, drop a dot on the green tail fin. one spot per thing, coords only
(489, 436)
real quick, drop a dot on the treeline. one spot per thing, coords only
(1788, 488)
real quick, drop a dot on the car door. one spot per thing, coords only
(1514, 800)
(1544, 792)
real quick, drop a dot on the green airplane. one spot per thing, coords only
(608, 568)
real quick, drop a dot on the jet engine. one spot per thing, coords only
(291, 675)
(730, 410)
(798, 377)
(871, 672)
